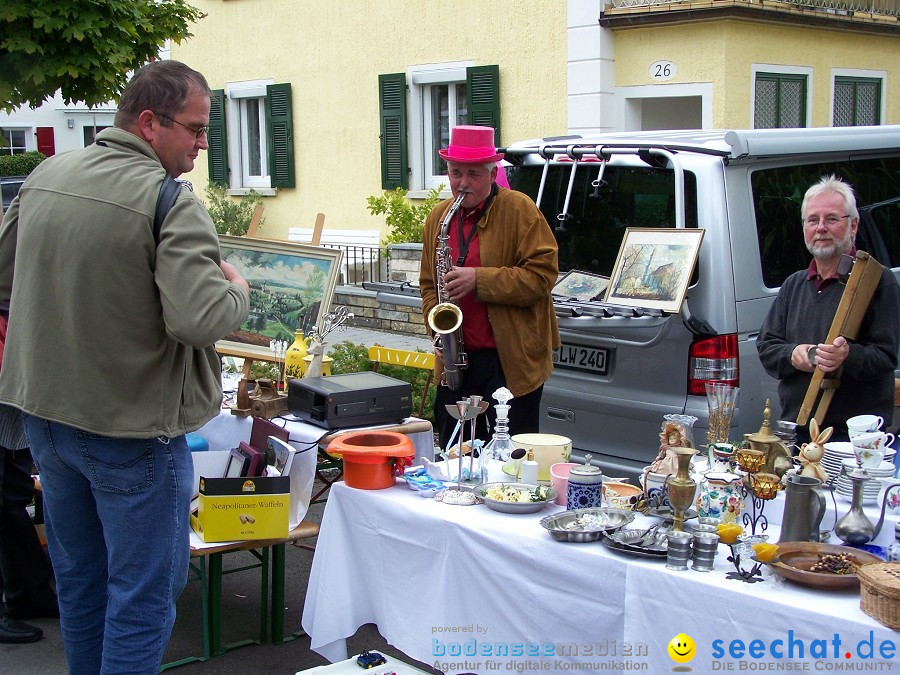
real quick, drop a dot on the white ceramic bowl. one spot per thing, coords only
(549, 449)
(625, 497)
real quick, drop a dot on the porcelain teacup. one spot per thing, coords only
(863, 424)
(870, 448)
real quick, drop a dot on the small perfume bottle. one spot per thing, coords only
(530, 469)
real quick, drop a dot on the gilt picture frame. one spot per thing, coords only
(291, 287)
(654, 267)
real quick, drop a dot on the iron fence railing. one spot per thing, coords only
(363, 263)
(885, 7)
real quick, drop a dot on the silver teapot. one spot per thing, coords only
(854, 527)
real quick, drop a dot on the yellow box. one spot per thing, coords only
(236, 509)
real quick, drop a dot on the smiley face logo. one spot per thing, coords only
(682, 648)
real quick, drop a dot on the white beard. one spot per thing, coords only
(822, 250)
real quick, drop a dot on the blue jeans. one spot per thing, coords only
(117, 522)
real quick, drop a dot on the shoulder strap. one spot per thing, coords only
(168, 193)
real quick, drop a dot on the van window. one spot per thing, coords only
(778, 194)
(590, 237)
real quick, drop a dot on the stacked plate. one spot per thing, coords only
(844, 486)
(837, 451)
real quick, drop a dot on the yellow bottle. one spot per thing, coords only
(294, 365)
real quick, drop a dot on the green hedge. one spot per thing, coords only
(21, 164)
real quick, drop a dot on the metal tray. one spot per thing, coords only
(632, 550)
(611, 519)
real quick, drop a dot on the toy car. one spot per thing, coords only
(369, 660)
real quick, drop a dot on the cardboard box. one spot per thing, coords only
(236, 509)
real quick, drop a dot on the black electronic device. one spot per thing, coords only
(350, 400)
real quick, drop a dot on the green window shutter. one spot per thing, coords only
(392, 107)
(217, 152)
(280, 135)
(483, 97)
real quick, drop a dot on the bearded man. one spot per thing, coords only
(791, 341)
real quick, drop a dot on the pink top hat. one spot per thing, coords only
(471, 145)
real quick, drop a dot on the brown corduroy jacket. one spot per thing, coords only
(519, 267)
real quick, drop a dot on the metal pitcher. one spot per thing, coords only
(804, 506)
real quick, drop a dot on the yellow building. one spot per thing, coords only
(320, 104)
(351, 68)
(754, 64)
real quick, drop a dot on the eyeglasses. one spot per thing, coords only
(813, 221)
(199, 132)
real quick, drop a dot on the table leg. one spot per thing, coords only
(264, 597)
(278, 594)
(215, 604)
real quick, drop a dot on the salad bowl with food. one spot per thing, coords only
(515, 497)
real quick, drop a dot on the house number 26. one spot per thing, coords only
(662, 70)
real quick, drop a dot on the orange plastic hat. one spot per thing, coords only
(370, 457)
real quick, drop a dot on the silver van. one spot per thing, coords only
(621, 369)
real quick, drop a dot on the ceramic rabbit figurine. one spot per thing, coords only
(811, 453)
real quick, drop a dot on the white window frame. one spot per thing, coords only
(756, 68)
(420, 79)
(857, 72)
(240, 182)
(29, 140)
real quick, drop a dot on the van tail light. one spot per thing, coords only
(713, 360)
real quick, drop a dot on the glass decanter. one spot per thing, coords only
(496, 453)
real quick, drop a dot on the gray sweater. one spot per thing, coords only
(803, 315)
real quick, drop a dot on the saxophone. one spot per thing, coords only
(445, 318)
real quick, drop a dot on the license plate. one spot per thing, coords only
(579, 357)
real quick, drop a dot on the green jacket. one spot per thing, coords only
(518, 270)
(108, 332)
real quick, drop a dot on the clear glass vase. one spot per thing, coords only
(721, 400)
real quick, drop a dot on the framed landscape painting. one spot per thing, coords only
(582, 286)
(291, 287)
(654, 267)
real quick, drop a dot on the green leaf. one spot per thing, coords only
(87, 47)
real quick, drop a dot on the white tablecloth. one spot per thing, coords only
(463, 585)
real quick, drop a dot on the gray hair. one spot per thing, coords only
(831, 184)
(160, 86)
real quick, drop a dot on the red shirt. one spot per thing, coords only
(812, 272)
(476, 327)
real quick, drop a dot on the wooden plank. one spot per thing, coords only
(317, 229)
(857, 295)
(255, 219)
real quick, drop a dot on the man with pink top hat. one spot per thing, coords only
(504, 264)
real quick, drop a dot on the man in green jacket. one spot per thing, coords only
(110, 355)
(504, 264)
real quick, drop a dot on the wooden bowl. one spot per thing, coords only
(796, 558)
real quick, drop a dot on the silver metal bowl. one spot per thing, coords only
(609, 520)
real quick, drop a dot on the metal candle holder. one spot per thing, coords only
(760, 488)
(749, 576)
(465, 411)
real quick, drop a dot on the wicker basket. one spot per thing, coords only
(880, 592)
